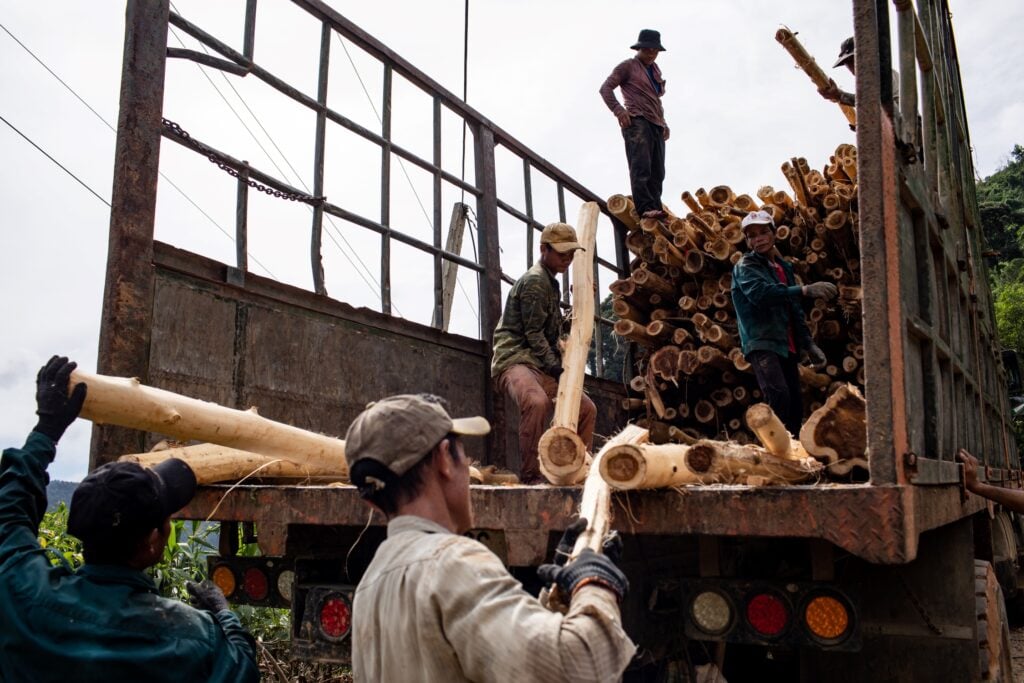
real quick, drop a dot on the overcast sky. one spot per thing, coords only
(736, 106)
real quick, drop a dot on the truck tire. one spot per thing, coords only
(994, 661)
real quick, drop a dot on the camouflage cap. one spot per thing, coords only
(399, 431)
(561, 237)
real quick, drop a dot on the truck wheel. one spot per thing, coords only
(994, 661)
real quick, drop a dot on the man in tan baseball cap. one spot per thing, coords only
(435, 605)
(527, 360)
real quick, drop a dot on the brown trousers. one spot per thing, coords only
(534, 393)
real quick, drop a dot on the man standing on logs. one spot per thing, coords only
(527, 359)
(105, 621)
(435, 605)
(771, 321)
(642, 120)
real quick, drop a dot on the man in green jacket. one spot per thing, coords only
(527, 359)
(771, 321)
(106, 621)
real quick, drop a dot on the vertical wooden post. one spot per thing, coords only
(490, 279)
(315, 250)
(450, 269)
(385, 197)
(242, 222)
(126, 320)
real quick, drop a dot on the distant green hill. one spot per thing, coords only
(59, 491)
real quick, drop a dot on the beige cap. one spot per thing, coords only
(561, 237)
(399, 430)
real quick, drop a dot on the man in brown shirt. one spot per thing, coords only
(642, 120)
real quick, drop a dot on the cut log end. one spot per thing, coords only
(623, 467)
(700, 457)
(561, 451)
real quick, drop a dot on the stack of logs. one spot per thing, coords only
(676, 304)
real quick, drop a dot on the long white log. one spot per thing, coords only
(126, 402)
(596, 503)
(648, 466)
(561, 452)
(212, 463)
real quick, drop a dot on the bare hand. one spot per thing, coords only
(970, 469)
(624, 119)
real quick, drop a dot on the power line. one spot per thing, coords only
(62, 167)
(114, 130)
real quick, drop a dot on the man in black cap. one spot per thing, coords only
(105, 621)
(435, 605)
(642, 120)
(846, 58)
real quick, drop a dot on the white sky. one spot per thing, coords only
(736, 106)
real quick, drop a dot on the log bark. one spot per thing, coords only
(126, 402)
(622, 208)
(837, 432)
(561, 451)
(732, 463)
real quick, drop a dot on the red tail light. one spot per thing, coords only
(254, 583)
(335, 616)
(767, 614)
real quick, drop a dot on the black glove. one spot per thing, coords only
(206, 596)
(57, 410)
(815, 355)
(588, 568)
(555, 371)
(564, 548)
(821, 290)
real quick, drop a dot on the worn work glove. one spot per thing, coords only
(207, 596)
(815, 356)
(55, 408)
(588, 568)
(821, 290)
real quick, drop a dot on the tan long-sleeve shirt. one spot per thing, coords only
(435, 606)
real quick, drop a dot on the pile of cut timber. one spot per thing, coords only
(692, 378)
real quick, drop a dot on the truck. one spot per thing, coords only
(899, 577)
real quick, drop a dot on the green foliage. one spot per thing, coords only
(612, 346)
(1008, 299)
(53, 536)
(1001, 204)
(184, 558)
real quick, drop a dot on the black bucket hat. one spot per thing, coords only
(845, 52)
(648, 38)
(121, 501)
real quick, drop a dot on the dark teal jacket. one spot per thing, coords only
(103, 622)
(765, 307)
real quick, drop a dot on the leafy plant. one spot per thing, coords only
(54, 538)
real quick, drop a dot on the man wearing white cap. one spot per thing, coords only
(527, 360)
(437, 606)
(771, 321)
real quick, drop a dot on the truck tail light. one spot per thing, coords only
(286, 584)
(768, 614)
(827, 617)
(712, 612)
(225, 580)
(335, 616)
(255, 584)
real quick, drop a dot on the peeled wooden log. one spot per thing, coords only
(681, 336)
(709, 355)
(667, 252)
(745, 203)
(489, 475)
(212, 463)
(665, 362)
(622, 208)
(628, 290)
(721, 195)
(769, 430)
(739, 361)
(694, 262)
(627, 329)
(689, 363)
(837, 432)
(714, 334)
(639, 242)
(690, 202)
(703, 198)
(647, 466)
(704, 411)
(722, 397)
(633, 404)
(561, 452)
(733, 463)
(813, 379)
(652, 282)
(626, 311)
(126, 402)
(596, 501)
(660, 331)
